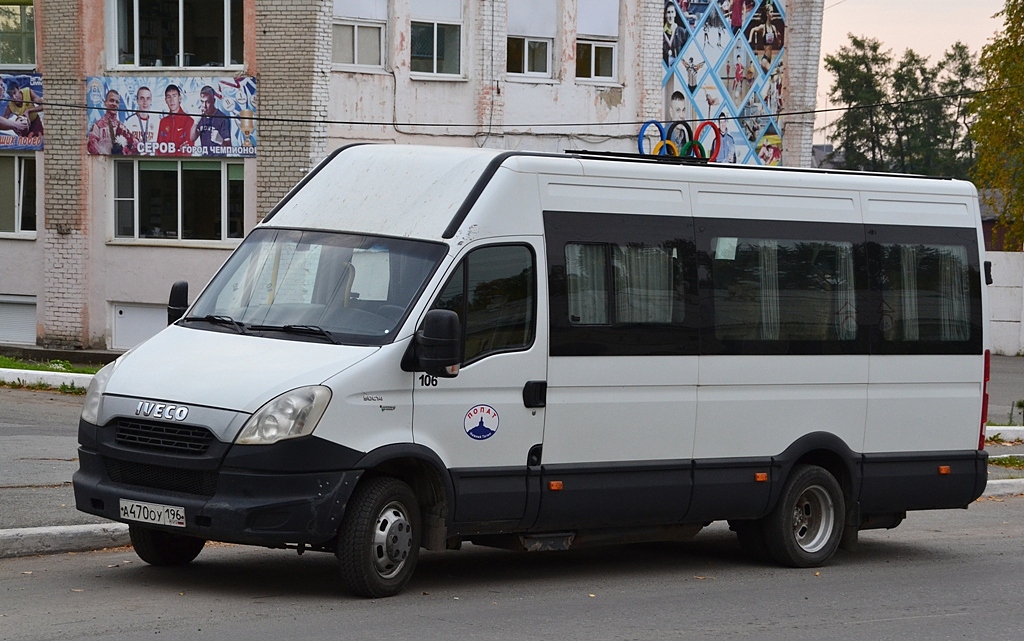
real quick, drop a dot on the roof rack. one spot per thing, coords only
(676, 160)
(625, 155)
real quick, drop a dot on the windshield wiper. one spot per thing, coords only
(218, 320)
(312, 330)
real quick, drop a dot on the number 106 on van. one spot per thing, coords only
(153, 513)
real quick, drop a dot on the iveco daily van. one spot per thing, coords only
(422, 346)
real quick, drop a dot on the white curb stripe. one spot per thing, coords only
(53, 379)
(30, 541)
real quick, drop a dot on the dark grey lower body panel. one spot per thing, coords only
(552, 498)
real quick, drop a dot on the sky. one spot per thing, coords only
(929, 27)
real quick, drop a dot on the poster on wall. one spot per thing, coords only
(21, 112)
(723, 62)
(171, 116)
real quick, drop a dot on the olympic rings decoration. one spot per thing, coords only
(662, 145)
(689, 144)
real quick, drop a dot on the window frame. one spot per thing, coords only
(113, 39)
(23, 66)
(526, 74)
(905, 235)
(435, 74)
(357, 66)
(594, 42)
(620, 337)
(19, 198)
(460, 271)
(225, 184)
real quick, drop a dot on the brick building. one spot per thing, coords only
(108, 199)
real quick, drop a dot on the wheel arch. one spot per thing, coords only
(422, 469)
(825, 450)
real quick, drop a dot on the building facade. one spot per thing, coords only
(141, 140)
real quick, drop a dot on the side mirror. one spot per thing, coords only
(439, 343)
(178, 301)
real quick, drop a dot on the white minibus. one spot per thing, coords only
(422, 346)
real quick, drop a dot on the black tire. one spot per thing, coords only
(379, 539)
(804, 528)
(165, 549)
(751, 539)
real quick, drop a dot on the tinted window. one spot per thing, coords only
(774, 287)
(621, 285)
(493, 290)
(928, 291)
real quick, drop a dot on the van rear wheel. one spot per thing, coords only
(157, 547)
(379, 539)
(804, 528)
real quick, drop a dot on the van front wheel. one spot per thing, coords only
(379, 539)
(806, 525)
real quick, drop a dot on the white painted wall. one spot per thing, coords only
(1006, 302)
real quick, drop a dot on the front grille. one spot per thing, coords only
(200, 482)
(163, 437)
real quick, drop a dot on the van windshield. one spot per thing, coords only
(317, 286)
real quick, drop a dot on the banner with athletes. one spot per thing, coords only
(724, 63)
(21, 112)
(171, 116)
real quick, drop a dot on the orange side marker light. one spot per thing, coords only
(555, 486)
(761, 477)
(944, 469)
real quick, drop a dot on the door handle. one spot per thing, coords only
(535, 393)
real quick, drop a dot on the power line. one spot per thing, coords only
(833, 4)
(541, 125)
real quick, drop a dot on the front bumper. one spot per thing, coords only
(255, 495)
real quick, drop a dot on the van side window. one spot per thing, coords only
(494, 292)
(642, 281)
(621, 285)
(925, 293)
(793, 290)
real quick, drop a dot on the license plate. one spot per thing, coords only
(153, 513)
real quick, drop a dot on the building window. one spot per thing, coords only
(436, 48)
(179, 33)
(595, 60)
(529, 57)
(358, 44)
(178, 199)
(17, 194)
(17, 33)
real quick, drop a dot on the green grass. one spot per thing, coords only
(8, 362)
(1012, 462)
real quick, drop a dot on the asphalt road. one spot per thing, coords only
(956, 574)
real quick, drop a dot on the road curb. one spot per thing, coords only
(53, 379)
(30, 541)
(1004, 487)
(1005, 433)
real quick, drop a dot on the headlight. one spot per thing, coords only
(94, 395)
(290, 415)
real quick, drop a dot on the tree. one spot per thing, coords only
(960, 76)
(899, 118)
(918, 124)
(999, 130)
(861, 72)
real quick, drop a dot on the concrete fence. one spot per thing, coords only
(1006, 303)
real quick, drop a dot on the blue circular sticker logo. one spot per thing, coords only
(481, 422)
